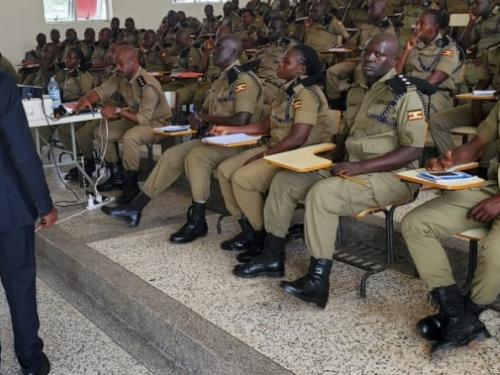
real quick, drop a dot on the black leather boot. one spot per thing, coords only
(130, 188)
(255, 250)
(459, 319)
(313, 287)
(270, 263)
(195, 227)
(243, 240)
(88, 167)
(131, 212)
(117, 179)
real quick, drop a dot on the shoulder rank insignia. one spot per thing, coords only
(448, 53)
(141, 81)
(240, 88)
(415, 115)
(297, 104)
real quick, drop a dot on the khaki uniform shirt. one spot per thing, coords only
(437, 55)
(377, 121)
(76, 84)
(318, 37)
(233, 21)
(99, 53)
(209, 26)
(490, 70)
(234, 92)
(300, 105)
(155, 59)
(487, 31)
(336, 27)
(457, 6)
(43, 81)
(7, 67)
(87, 50)
(270, 57)
(188, 60)
(130, 37)
(246, 32)
(489, 130)
(67, 47)
(143, 95)
(369, 30)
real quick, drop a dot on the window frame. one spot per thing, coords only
(73, 14)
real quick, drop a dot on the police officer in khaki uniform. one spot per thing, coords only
(130, 35)
(99, 61)
(146, 109)
(153, 56)
(230, 19)
(234, 99)
(441, 124)
(70, 42)
(378, 23)
(457, 322)
(482, 31)
(429, 55)
(210, 24)
(411, 13)
(387, 134)
(270, 56)
(247, 30)
(299, 117)
(88, 44)
(48, 68)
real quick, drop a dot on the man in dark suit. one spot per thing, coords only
(24, 196)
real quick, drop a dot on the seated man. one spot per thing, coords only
(248, 29)
(377, 23)
(385, 132)
(211, 23)
(235, 99)
(70, 42)
(88, 44)
(457, 322)
(154, 58)
(472, 113)
(146, 109)
(35, 55)
(436, 58)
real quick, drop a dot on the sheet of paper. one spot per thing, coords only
(231, 139)
(173, 128)
(483, 92)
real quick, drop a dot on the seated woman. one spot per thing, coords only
(299, 117)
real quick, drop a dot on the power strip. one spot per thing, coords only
(97, 202)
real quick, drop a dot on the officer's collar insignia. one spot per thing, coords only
(240, 88)
(415, 115)
(141, 81)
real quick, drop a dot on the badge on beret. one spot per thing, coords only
(240, 88)
(448, 53)
(297, 104)
(415, 115)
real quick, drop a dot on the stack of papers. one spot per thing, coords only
(483, 92)
(447, 177)
(173, 128)
(232, 139)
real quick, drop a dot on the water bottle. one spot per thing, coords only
(54, 93)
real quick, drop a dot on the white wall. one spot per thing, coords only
(21, 20)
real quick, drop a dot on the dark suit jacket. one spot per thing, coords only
(24, 194)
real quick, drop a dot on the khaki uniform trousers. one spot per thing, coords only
(133, 137)
(200, 164)
(442, 123)
(287, 190)
(336, 196)
(335, 74)
(447, 215)
(169, 168)
(243, 186)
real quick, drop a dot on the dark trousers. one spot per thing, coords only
(18, 275)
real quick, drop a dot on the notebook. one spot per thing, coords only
(232, 140)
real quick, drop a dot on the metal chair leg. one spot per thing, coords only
(219, 223)
(471, 267)
(340, 233)
(389, 255)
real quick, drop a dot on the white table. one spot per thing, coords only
(66, 120)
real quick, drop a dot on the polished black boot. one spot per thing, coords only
(244, 240)
(270, 263)
(195, 227)
(255, 250)
(88, 167)
(43, 367)
(130, 188)
(130, 213)
(313, 287)
(116, 180)
(459, 319)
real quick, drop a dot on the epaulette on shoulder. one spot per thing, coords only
(141, 81)
(250, 66)
(401, 83)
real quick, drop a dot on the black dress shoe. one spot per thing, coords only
(130, 215)
(248, 255)
(43, 369)
(195, 227)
